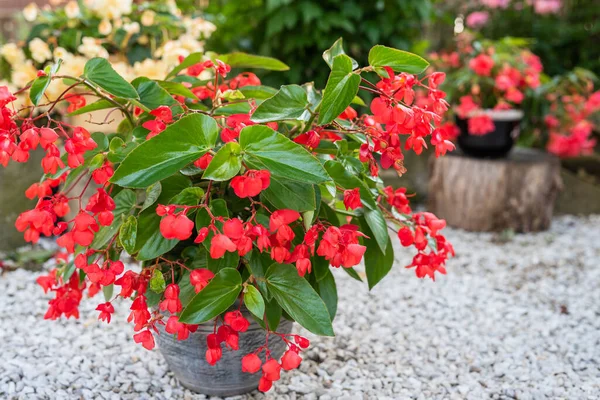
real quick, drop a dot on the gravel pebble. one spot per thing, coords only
(513, 320)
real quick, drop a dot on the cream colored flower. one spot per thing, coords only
(61, 53)
(73, 65)
(124, 69)
(72, 10)
(111, 9)
(23, 74)
(199, 27)
(143, 40)
(148, 17)
(12, 54)
(173, 49)
(153, 69)
(30, 12)
(40, 51)
(90, 48)
(105, 27)
(132, 28)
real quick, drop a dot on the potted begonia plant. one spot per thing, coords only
(235, 198)
(490, 82)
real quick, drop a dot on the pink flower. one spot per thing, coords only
(477, 19)
(480, 125)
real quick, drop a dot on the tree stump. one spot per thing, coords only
(517, 192)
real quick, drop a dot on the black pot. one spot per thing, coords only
(495, 144)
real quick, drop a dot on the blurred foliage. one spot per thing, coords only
(563, 41)
(297, 32)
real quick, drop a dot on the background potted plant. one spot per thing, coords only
(492, 81)
(235, 198)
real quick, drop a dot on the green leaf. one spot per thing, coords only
(220, 293)
(295, 295)
(266, 149)
(151, 94)
(99, 72)
(352, 272)
(398, 60)
(177, 89)
(290, 102)
(229, 260)
(225, 164)
(320, 266)
(125, 200)
(254, 301)
(284, 193)
(157, 282)
(152, 194)
(128, 234)
(108, 292)
(258, 263)
(243, 60)
(258, 92)
(328, 291)
(379, 228)
(41, 83)
(378, 262)
(346, 180)
(340, 90)
(38, 88)
(101, 104)
(335, 50)
(181, 143)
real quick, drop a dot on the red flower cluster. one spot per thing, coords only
(251, 183)
(271, 369)
(163, 116)
(571, 122)
(228, 333)
(174, 225)
(340, 246)
(426, 227)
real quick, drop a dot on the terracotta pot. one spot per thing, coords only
(187, 360)
(495, 144)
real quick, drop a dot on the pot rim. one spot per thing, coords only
(499, 115)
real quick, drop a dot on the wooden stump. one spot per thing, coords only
(517, 192)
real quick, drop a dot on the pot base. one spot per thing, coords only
(187, 360)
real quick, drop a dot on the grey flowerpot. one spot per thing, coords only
(187, 360)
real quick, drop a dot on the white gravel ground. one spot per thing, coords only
(515, 320)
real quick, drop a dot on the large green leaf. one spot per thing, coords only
(266, 149)
(151, 94)
(220, 293)
(335, 50)
(378, 262)
(258, 264)
(254, 301)
(378, 225)
(99, 72)
(294, 195)
(165, 154)
(327, 289)
(340, 90)
(295, 295)
(243, 60)
(225, 164)
(125, 200)
(290, 102)
(398, 60)
(150, 242)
